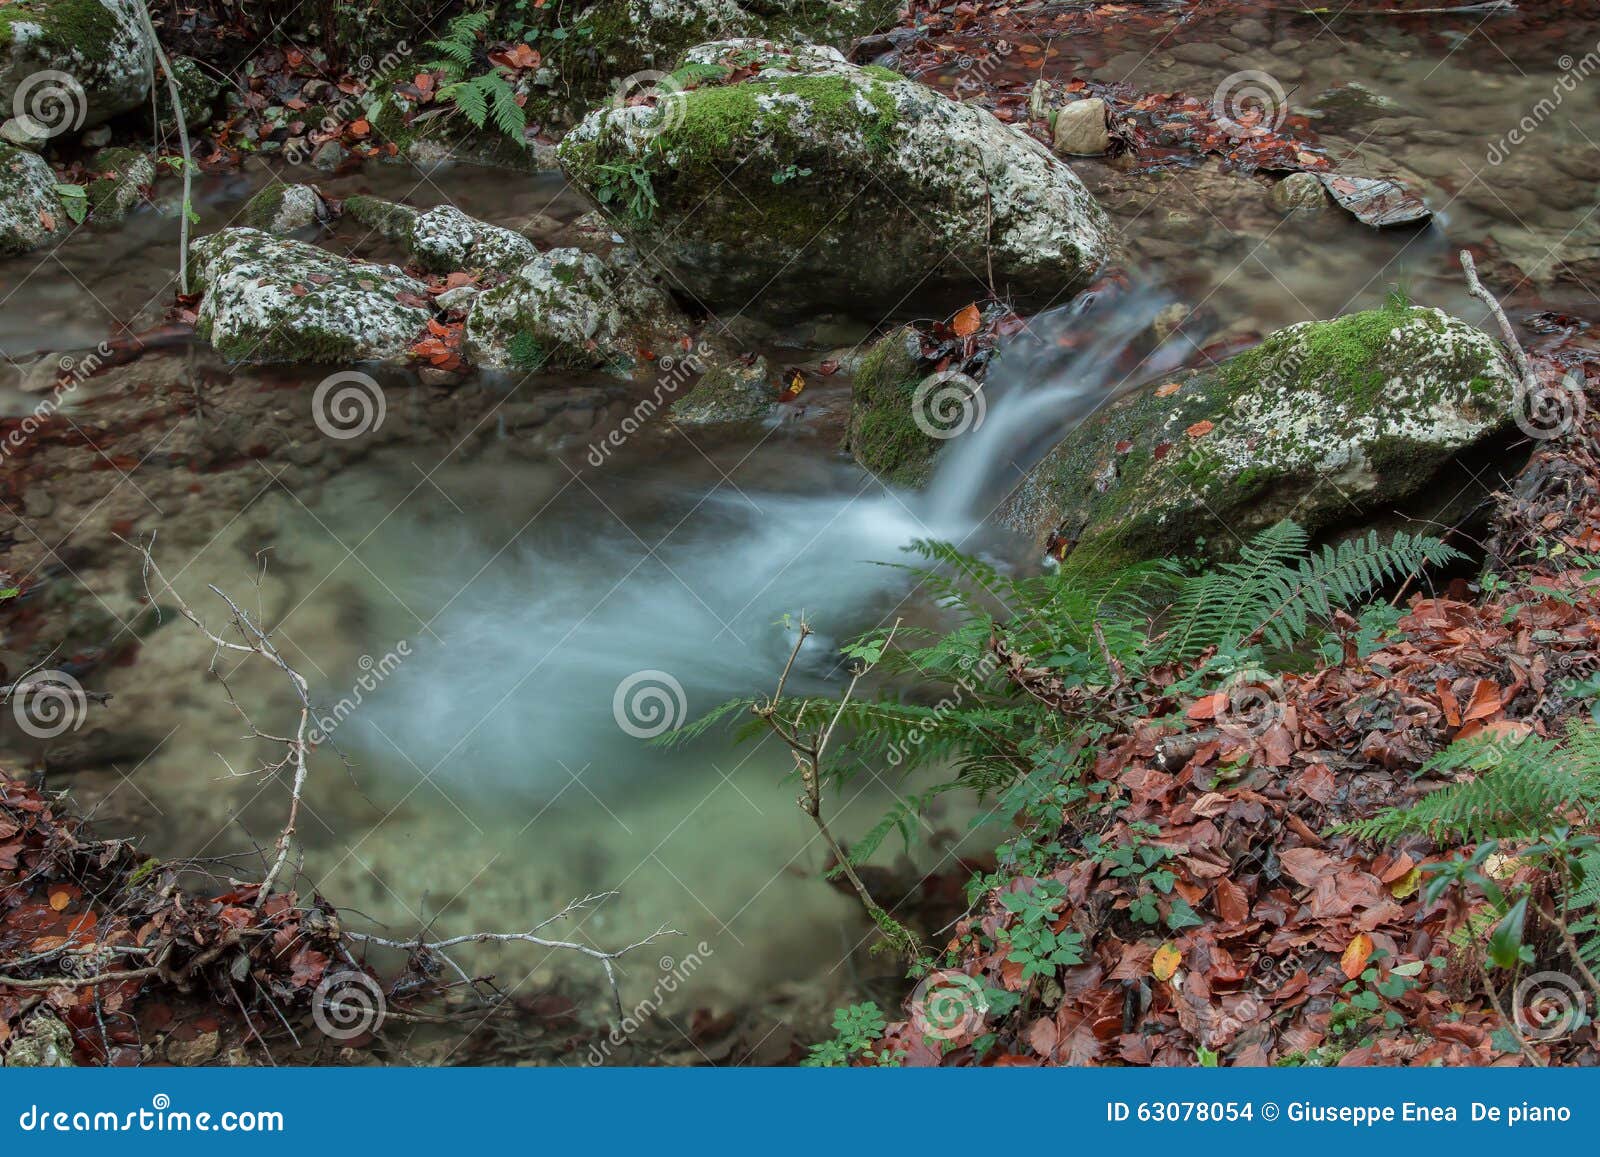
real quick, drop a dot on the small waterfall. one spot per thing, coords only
(1067, 363)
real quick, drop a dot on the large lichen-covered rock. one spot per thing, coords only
(284, 209)
(446, 239)
(884, 436)
(861, 185)
(1327, 423)
(29, 207)
(99, 44)
(267, 299)
(121, 177)
(566, 308)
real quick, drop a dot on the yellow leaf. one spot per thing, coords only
(1355, 955)
(1165, 962)
(1406, 885)
(59, 900)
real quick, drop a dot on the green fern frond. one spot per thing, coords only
(470, 99)
(1519, 790)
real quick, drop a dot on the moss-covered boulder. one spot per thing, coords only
(121, 178)
(567, 308)
(780, 178)
(198, 93)
(284, 209)
(388, 219)
(71, 64)
(266, 299)
(445, 239)
(728, 391)
(884, 435)
(1329, 423)
(29, 208)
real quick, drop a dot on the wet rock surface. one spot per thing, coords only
(862, 184)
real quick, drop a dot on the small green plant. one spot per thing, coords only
(481, 98)
(1035, 943)
(527, 353)
(75, 200)
(628, 186)
(857, 1030)
(788, 173)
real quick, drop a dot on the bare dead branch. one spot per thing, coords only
(808, 757)
(1519, 356)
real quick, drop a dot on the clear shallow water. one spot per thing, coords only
(489, 779)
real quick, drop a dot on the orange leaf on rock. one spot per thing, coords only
(1165, 962)
(966, 322)
(1200, 429)
(1167, 389)
(1356, 954)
